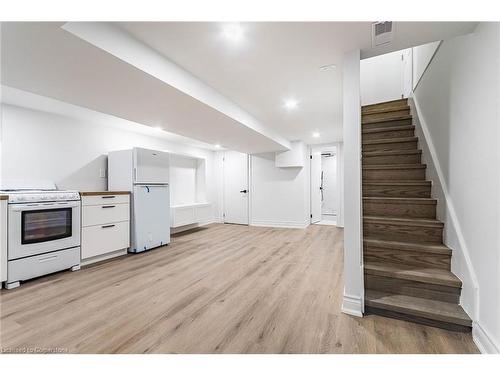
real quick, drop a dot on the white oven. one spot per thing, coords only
(42, 227)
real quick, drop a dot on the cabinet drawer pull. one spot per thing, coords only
(108, 196)
(108, 206)
(108, 226)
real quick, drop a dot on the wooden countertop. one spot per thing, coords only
(93, 193)
(4, 197)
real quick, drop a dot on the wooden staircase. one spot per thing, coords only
(407, 267)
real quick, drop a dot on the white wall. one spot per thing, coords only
(183, 180)
(70, 152)
(353, 300)
(458, 103)
(381, 78)
(422, 56)
(279, 196)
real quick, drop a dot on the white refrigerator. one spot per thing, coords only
(145, 173)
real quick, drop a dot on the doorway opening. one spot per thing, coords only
(324, 185)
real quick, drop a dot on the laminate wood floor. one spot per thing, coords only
(220, 289)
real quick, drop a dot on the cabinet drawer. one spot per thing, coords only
(38, 265)
(94, 200)
(105, 214)
(103, 239)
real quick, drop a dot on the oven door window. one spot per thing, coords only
(46, 225)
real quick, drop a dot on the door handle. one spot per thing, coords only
(108, 206)
(108, 226)
(244, 191)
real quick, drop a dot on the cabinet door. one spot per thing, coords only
(150, 167)
(102, 239)
(151, 215)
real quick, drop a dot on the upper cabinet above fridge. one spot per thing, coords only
(137, 166)
(150, 166)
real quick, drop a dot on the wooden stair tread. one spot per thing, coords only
(397, 182)
(408, 246)
(373, 105)
(420, 307)
(402, 200)
(401, 220)
(388, 129)
(436, 276)
(386, 119)
(395, 166)
(390, 140)
(373, 111)
(391, 153)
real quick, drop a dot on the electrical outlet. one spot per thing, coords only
(102, 173)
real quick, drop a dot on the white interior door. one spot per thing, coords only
(236, 188)
(315, 186)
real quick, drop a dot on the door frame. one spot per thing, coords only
(249, 193)
(339, 161)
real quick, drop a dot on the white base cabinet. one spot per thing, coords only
(105, 226)
(186, 214)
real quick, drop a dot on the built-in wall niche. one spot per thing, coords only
(188, 191)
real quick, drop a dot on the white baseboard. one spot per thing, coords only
(217, 219)
(280, 224)
(483, 341)
(352, 305)
(100, 258)
(186, 227)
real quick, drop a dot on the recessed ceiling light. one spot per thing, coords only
(233, 32)
(316, 134)
(217, 145)
(158, 128)
(327, 67)
(291, 104)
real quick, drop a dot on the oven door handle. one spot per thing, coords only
(38, 206)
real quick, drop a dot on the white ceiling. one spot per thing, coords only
(278, 60)
(274, 61)
(45, 59)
